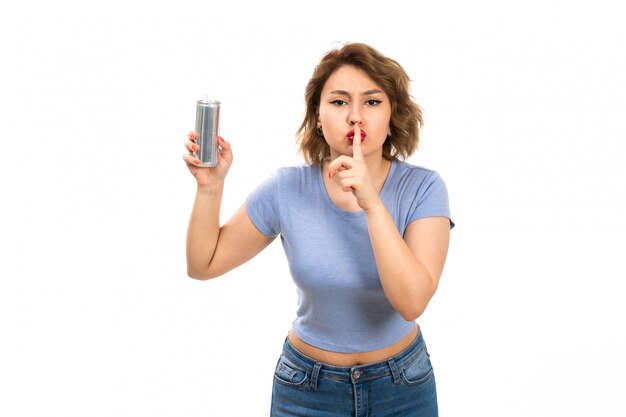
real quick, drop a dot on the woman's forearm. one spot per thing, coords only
(406, 282)
(204, 228)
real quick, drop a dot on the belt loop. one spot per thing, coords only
(314, 375)
(394, 371)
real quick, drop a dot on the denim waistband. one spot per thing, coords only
(356, 373)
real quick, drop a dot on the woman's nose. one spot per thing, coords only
(355, 115)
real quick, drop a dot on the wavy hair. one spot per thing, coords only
(406, 115)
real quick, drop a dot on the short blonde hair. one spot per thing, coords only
(406, 115)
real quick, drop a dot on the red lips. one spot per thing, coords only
(350, 135)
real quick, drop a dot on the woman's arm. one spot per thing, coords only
(409, 268)
(213, 250)
(204, 228)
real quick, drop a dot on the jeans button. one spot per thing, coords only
(356, 374)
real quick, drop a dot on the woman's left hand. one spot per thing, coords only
(352, 174)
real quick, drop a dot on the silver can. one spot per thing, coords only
(207, 126)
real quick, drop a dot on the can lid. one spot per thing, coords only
(208, 102)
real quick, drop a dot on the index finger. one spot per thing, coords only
(357, 152)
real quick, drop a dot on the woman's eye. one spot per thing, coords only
(373, 102)
(338, 102)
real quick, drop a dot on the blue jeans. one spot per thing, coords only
(402, 386)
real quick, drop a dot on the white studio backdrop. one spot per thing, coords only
(524, 119)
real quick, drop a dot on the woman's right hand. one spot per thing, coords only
(208, 175)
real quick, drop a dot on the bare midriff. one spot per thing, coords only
(351, 359)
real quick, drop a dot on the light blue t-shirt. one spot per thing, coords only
(341, 303)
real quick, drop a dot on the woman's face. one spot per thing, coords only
(350, 96)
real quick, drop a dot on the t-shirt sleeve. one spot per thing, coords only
(262, 207)
(431, 200)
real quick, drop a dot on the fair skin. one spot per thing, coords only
(409, 266)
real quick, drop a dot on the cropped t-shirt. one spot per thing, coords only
(341, 303)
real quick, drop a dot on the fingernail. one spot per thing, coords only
(196, 161)
(195, 147)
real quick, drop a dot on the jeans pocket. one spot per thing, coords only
(290, 375)
(418, 370)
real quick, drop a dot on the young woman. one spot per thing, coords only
(365, 234)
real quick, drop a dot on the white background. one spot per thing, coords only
(524, 119)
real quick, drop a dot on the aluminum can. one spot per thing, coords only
(207, 126)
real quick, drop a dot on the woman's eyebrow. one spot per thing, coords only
(345, 93)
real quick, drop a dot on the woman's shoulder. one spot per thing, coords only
(301, 168)
(407, 173)
(288, 175)
(298, 172)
